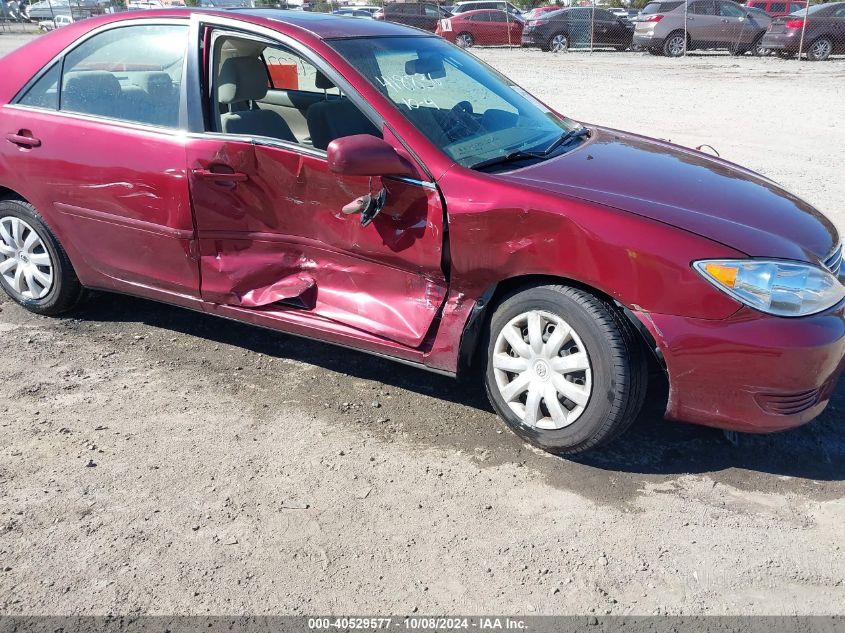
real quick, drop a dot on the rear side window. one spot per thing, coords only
(660, 7)
(703, 7)
(44, 93)
(729, 10)
(131, 73)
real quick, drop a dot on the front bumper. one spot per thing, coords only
(752, 373)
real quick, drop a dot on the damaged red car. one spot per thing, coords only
(369, 185)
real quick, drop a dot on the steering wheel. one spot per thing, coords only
(462, 123)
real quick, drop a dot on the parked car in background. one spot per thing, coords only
(619, 12)
(422, 15)
(354, 13)
(145, 4)
(58, 22)
(483, 27)
(710, 24)
(780, 7)
(475, 5)
(824, 32)
(536, 12)
(558, 31)
(48, 9)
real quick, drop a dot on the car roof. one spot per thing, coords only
(328, 26)
(477, 11)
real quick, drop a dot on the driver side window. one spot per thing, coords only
(263, 90)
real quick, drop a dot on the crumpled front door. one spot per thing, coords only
(273, 236)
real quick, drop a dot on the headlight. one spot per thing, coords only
(775, 287)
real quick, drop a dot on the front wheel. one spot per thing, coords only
(564, 369)
(34, 269)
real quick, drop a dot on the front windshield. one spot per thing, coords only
(464, 107)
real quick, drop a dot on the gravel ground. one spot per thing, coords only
(160, 461)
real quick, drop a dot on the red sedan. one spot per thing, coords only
(485, 27)
(369, 185)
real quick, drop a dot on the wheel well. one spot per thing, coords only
(471, 346)
(8, 194)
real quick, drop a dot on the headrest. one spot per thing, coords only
(322, 82)
(93, 84)
(242, 79)
(154, 82)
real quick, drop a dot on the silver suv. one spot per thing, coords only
(473, 5)
(710, 24)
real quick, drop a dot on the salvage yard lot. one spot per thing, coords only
(160, 461)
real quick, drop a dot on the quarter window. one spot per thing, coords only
(131, 73)
(44, 93)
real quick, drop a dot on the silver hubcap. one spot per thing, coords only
(677, 45)
(25, 263)
(464, 41)
(821, 48)
(542, 370)
(559, 43)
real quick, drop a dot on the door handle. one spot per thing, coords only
(23, 139)
(217, 176)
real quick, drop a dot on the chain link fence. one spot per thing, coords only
(789, 29)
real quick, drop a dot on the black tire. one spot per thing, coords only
(66, 291)
(757, 49)
(820, 49)
(617, 365)
(657, 51)
(468, 40)
(738, 51)
(670, 49)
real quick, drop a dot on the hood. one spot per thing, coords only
(687, 189)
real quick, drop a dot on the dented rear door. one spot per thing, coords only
(272, 237)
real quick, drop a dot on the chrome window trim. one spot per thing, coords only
(121, 123)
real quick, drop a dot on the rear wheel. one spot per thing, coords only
(675, 45)
(564, 369)
(35, 271)
(559, 43)
(465, 40)
(820, 49)
(758, 50)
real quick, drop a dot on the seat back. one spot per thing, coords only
(242, 82)
(336, 118)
